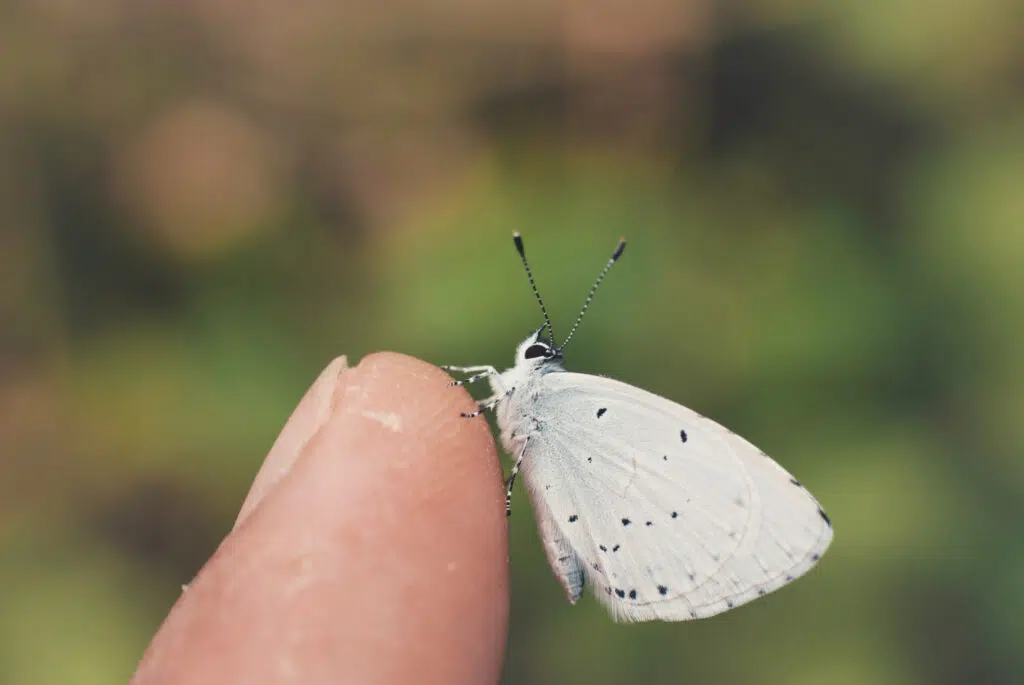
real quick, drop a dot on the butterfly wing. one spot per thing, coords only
(670, 515)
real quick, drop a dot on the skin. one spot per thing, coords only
(372, 547)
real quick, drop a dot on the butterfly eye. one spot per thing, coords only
(538, 350)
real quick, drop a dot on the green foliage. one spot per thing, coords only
(826, 254)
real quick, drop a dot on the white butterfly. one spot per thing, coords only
(667, 514)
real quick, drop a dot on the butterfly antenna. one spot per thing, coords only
(518, 240)
(590, 296)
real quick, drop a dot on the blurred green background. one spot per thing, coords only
(203, 202)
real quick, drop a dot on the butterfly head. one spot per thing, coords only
(537, 350)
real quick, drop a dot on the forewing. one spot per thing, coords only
(672, 516)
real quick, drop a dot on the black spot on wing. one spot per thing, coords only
(632, 594)
(620, 593)
(795, 482)
(601, 411)
(815, 557)
(626, 522)
(675, 514)
(729, 603)
(602, 548)
(662, 590)
(650, 523)
(682, 435)
(821, 512)
(573, 518)
(616, 548)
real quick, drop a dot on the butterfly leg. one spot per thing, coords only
(510, 481)
(482, 406)
(479, 373)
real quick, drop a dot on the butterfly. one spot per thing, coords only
(666, 514)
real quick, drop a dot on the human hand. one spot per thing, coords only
(372, 547)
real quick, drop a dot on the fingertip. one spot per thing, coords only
(384, 546)
(410, 494)
(427, 400)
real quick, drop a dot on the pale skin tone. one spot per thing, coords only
(371, 548)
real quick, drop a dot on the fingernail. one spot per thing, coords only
(316, 407)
